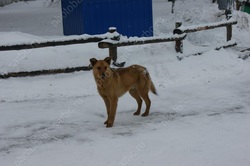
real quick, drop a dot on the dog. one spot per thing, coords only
(113, 83)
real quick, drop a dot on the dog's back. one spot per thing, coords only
(134, 77)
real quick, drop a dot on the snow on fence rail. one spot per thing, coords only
(112, 43)
(58, 42)
(139, 41)
(180, 29)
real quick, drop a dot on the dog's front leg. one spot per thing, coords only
(107, 104)
(112, 112)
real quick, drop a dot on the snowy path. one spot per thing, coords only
(203, 124)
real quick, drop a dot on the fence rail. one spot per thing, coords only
(62, 42)
(139, 41)
(113, 44)
(44, 72)
(228, 24)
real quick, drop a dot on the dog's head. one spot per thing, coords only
(101, 68)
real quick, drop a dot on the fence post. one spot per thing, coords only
(178, 43)
(238, 4)
(173, 4)
(229, 32)
(113, 50)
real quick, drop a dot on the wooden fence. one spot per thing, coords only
(178, 37)
(112, 41)
(112, 44)
(58, 42)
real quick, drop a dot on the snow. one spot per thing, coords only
(201, 26)
(201, 116)
(18, 38)
(125, 39)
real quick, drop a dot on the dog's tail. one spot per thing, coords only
(151, 85)
(153, 89)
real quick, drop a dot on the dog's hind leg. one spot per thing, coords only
(134, 94)
(144, 96)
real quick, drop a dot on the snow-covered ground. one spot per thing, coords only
(201, 116)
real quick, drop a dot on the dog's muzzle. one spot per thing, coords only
(103, 75)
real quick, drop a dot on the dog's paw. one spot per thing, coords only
(109, 125)
(137, 113)
(144, 114)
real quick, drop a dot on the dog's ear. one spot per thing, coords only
(108, 60)
(93, 61)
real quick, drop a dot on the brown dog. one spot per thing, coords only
(113, 83)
